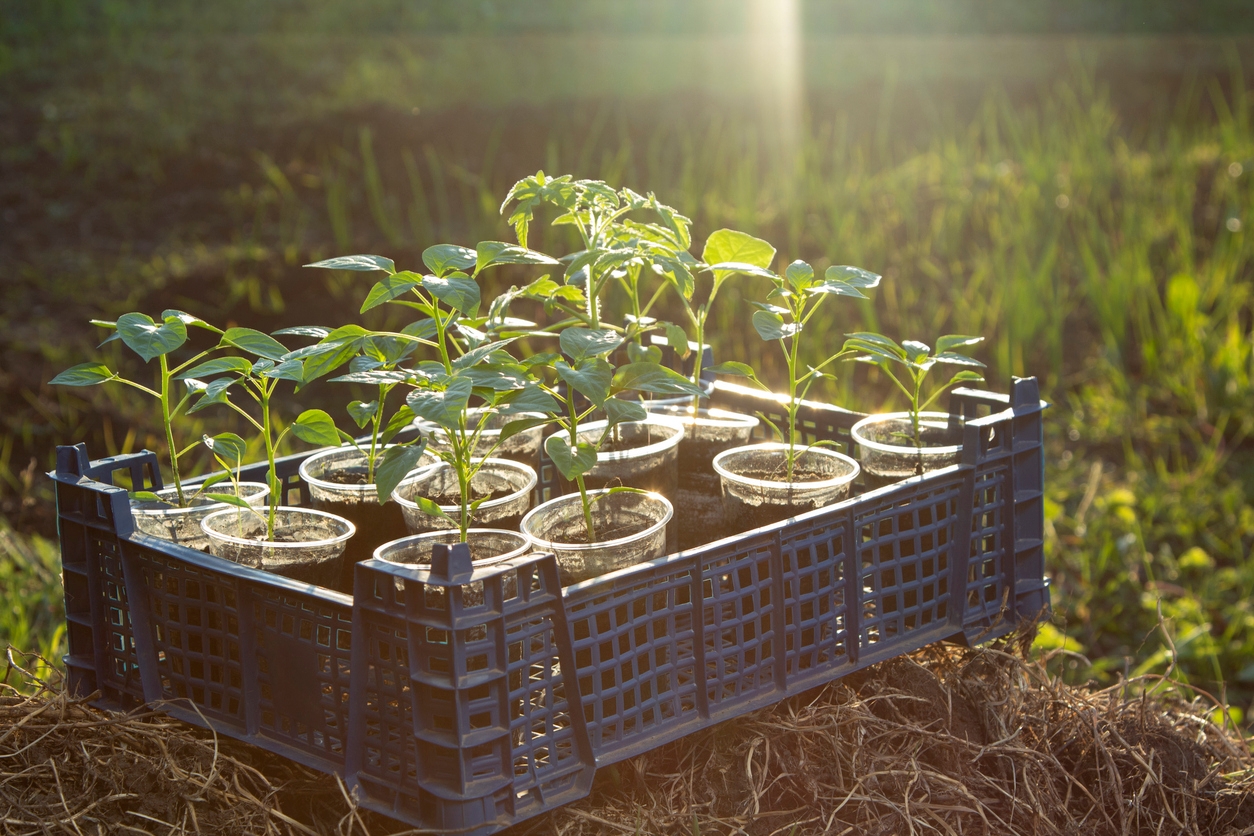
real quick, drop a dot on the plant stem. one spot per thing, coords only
(169, 430)
(587, 509)
(268, 435)
(792, 406)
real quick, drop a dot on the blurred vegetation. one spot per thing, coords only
(1085, 206)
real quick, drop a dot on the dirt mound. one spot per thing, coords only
(946, 741)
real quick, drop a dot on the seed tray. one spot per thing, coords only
(464, 699)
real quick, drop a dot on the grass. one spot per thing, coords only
(1096, 233)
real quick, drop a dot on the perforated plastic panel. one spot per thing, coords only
(466, 700)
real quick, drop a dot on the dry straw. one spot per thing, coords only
(947, 741)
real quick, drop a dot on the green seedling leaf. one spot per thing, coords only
(580, 343)
(292, 370)
(314, 426)
(359, 263)
(726, 246)
(215, 393)
(390, 288)
(677, 339)
(731, 367)
(216, 366)
(651, 377)
(442, 406)
(361, 413)
(570, 460)
(637, 353)
(148, 339)
(401, 420)
(498, 378)
(771, 326)
(459, 292)
(396, 464)
(915, 350)
(966, 375)
(727, 269)
(854, 276)
(188, 319)
(215, 479)
(229, 499)
(430, 508)
(498, 252)
(227, 447)
(377, 377)
(955, 359)
(619, 411)
(318, 332)
(590, 377)
(443, 259)
(951, 341)
(799, 275)
(529, 399)
(254, 342)
(513, 428)
(84, 374)
(483, 352)
(836, 288)
(144, 496)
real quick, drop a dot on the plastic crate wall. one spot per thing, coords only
(669, 647)
(477, 698)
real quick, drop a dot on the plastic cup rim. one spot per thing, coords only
(212, 507)
(354, 489)
(269, 544)
(928, 419)
(552, 545)
(533, 478)
(713, 417)
(604, 457)
(431, 535)
(775, 446)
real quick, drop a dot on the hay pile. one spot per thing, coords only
(947, 741)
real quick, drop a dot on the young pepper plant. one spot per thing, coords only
(792, 303)
(586, 370)
(615, 248)
(917, 358)
(726, 252)
(259, 379)
(151, 340)
(373, 360)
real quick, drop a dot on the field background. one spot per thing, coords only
(1072, 181)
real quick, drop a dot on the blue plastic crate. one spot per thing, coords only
(470, 712)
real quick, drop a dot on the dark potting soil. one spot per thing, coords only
(573, 531)
(376, 524)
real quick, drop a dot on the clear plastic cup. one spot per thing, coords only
(887, 451)
(631, 527)
(651, 463)
(512, 479)
(755, 490)
(337, 484)
(488, 546)
(182, 525)
(308, 545)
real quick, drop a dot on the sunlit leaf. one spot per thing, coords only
(360, 263)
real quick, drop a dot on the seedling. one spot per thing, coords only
(726, 250)
(615, 248)
(151, 340)
(586, 370)
(788, 308)
(918, 360)
(471, 363)
(259, 379)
